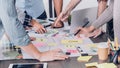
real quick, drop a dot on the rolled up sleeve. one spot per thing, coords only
(13, 27)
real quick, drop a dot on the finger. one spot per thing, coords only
(89, 35)
(37, 31)
(64, 18)
(60, 57)
(57, 50)
(44, 30)
(40, 31)
(58, 19)
(97, 34)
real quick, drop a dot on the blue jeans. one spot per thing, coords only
(10, 24)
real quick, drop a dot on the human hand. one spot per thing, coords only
(38, 27)
(52, 55)
(96, 33)
(60, 19)
(83, 31)
(32, 38)
(89, 31)
(57, 24)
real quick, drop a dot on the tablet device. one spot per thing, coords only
(28, 65)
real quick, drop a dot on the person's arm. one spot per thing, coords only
(14, 28)
(39, 28)
(65, 13)
(58, 6)
(116, 17)
(106, 16)
(34, 23)
(102, 5)
(72, 4)
(15, 31)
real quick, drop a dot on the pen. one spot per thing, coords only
(45, 26)
(86, 22)
(51, 20)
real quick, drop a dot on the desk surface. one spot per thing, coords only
(70, 63)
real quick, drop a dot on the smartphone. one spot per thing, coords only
(28, 65)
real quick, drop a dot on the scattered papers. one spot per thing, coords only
(84, 58)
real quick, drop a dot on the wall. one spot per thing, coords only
(82, 5)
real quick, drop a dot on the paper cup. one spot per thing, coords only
(102, 51)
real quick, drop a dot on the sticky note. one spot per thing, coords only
(40, 44)
(71, 41)
(72, 51)
(107, 65)
(52, 44)
(91, 64)
(84, 58)
(41, 40)
(70, 46)
(93, 45)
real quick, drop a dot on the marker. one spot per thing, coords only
(79, 49)
(86, 22)
(45, 26)
(84, 54)
(67, 53)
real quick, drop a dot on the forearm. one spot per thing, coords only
(72, 4)
(58, 6)
(102, 5)
(13, 27)
(105, 17)
(31, 50)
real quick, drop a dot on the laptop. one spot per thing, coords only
(81, 17)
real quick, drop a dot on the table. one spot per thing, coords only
(69, 63)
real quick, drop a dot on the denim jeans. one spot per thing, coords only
(10, 24)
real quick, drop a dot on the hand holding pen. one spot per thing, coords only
(86, 22)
